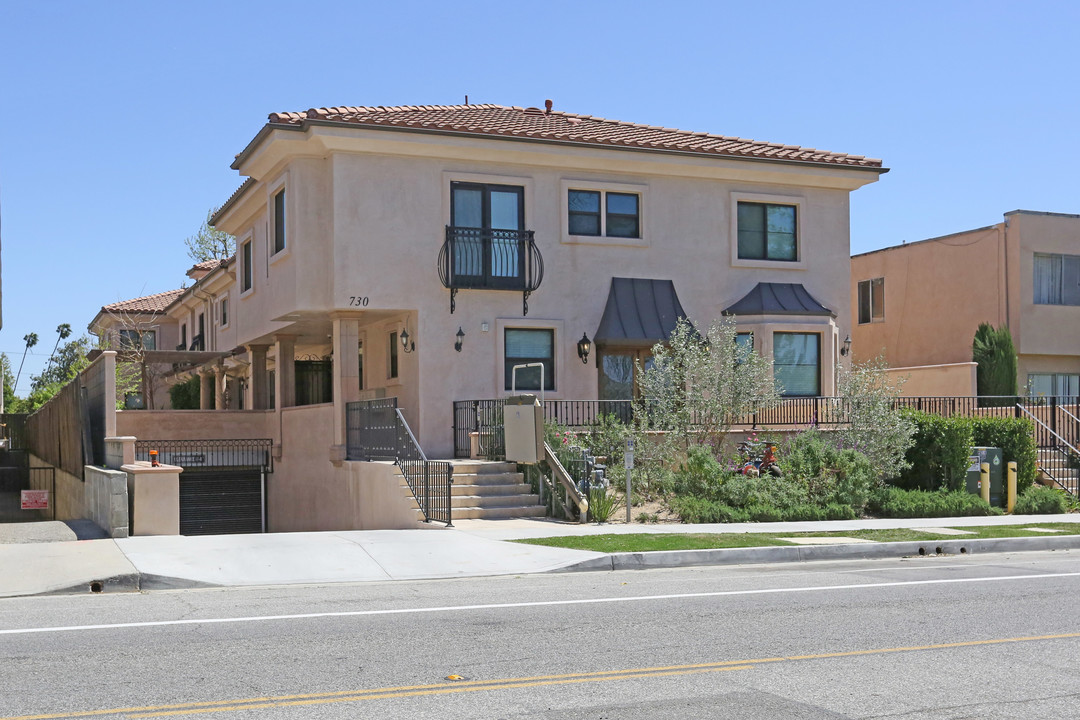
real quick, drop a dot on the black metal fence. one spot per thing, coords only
(376, 430)
(217, 454)
(480, 421)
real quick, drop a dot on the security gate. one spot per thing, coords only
(223, 486)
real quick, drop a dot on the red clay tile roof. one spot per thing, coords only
(206, 264)
(149, 304)
(537, 124)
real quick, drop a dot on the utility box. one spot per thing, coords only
(523, 429)
(995, 458)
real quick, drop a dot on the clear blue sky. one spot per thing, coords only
(118, 120)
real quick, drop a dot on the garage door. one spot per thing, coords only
(220, 502)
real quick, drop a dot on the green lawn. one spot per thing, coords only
(649, 542)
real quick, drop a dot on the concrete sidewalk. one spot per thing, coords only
(35, 566)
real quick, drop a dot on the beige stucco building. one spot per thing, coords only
(918, 305)
(422, 252)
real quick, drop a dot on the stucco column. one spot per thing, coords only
(257, 377)
(206, 388)
(219, 387)
(346, 371)
(285, 374)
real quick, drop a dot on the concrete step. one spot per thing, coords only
(481, 467)
(498, 513)
(485, 490)
(493, 501)
(501, 478)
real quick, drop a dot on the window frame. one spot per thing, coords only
(246, 257)
(1068, 269)
(819, 380)
(604, 189)
(796, 201)
(393, 362)
(280, 215)
(223, 311)
(875, 311)
(549, 376)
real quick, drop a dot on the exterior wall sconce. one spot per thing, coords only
(405, 344)
(460, 338)
(846, 349)
(584, 347)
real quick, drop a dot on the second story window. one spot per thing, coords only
(245, 266)
(145, 339)
(872, 301)
(1057, 279)
(224, 311)
(767, 232)
(488, 220)
(279, 221)
(620, 216)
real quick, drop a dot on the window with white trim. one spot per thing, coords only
(279, 221)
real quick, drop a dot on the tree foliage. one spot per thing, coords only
(698, 386)
(209, 243)
(875, 427)
(995, 354)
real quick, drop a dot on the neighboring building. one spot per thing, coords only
(422, 252)
(135, 328)
(918, 305)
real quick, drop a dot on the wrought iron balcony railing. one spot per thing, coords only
(485, 259)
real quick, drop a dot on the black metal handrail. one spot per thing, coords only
(242, 453)
(1061, 452)
(197, 344)
(490, 259)
(376, 430)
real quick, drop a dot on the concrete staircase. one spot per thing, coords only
(1059, 465)
(487, 490)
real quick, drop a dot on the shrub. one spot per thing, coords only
(700, 475)
(1041, 501)
(828, 473)
(185, 395)
(995, 354)
(607, 439)
(1016, 438)
(602, 504)
(939, 457)
(875, 427)
(700, 510)
(899, 503)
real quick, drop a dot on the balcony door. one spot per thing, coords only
(488, 222)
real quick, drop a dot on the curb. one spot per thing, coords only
(807, 553)
(127, 583)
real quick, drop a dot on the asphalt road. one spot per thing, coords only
(941, 637)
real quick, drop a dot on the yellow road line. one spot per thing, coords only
(506, 683)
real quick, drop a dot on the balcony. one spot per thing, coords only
(487, 259)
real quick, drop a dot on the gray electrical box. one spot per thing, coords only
(995, 458)
(523, 429)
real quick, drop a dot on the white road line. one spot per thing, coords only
(540, 603)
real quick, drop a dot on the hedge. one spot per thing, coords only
(939, 456)
(1016, 438)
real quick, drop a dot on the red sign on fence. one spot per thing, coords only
(35, 499)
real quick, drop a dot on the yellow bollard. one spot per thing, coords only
(1010, 502)
(984, 481)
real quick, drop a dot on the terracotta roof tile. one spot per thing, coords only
(149, 304)
(535, 123)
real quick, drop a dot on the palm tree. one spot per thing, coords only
(31, 341)
(63, 332)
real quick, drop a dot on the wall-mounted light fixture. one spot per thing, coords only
(405, 344)
(460, 338)
(846, 349)
(584, 347)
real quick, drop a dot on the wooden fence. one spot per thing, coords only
(69, 431)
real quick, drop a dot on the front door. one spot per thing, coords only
(618, 372)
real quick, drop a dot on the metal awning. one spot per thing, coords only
(778, 299)
(639, 311)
